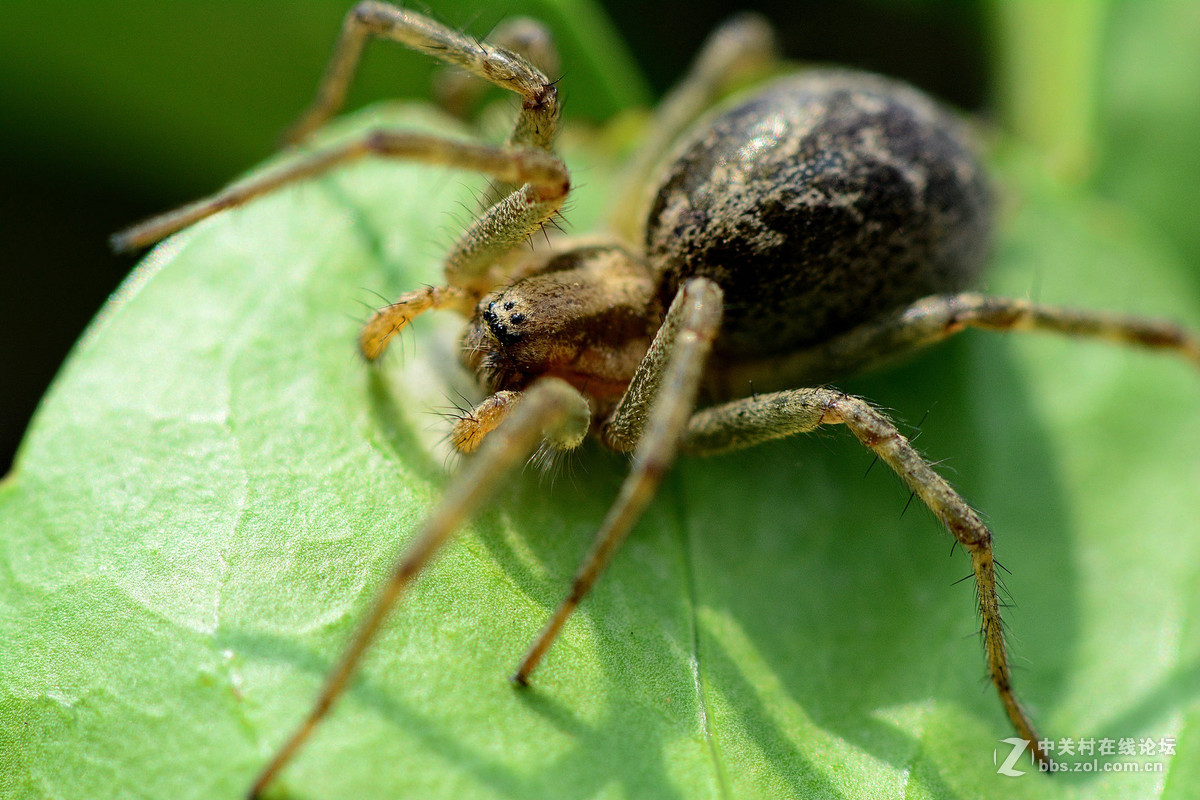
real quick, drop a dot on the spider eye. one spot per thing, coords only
(500, 327)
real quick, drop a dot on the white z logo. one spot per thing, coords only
(1018, 747)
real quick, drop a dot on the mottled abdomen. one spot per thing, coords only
(822, 201)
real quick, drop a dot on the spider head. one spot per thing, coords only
(512, 337)
(585, 315)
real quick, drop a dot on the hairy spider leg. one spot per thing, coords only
(551, 410)
(937, 317)
(470, 430)
(457, 90)
(385, 323)
(537, 123)
(651, 418)
(543, 179)
(744, 423)
(531, 182)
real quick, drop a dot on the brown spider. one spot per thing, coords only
(820, 224)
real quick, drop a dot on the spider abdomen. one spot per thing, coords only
(822, 201)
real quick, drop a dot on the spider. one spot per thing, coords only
(819, 224)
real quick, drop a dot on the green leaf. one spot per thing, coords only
(215, 486)
(1150, 108)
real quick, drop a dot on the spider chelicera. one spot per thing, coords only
(818, 224)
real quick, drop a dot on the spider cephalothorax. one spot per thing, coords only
(586, 315)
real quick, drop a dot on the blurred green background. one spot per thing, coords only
(113, 111)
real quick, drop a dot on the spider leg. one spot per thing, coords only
(741, 46)
(938, 317)
(543, 177)
(537, 122)
(652, 415)
(743, 423)
(530, 184)
(471, 429)
(388, 321)
(552, 410)
(457, 90)
(543, 183)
